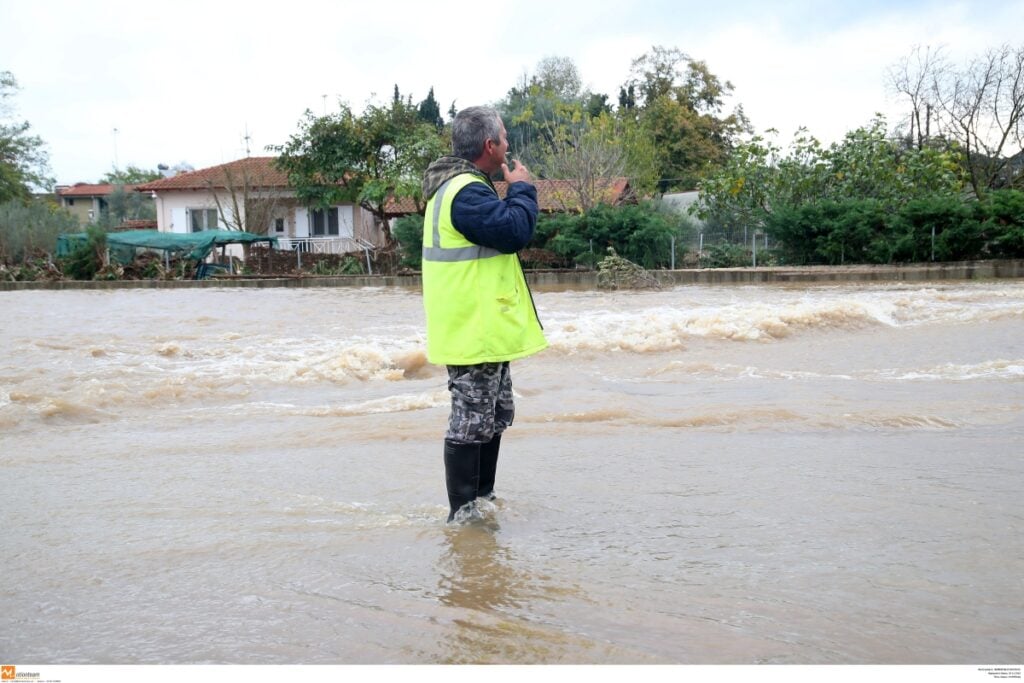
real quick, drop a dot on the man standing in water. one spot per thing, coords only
(480, 313)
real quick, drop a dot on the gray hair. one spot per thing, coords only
(472, 127)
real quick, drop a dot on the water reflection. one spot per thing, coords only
(477, 572)
(497, 602)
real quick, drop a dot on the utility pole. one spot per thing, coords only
(115, 148)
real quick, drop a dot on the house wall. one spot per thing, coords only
(171, 215)
(81, 208)
(366, 228)
(171, 206)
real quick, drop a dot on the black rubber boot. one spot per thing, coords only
(462, 473)
(488, 467)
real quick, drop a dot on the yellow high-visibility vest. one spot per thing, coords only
(478, 305)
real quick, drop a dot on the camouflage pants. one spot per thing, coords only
(481, 402)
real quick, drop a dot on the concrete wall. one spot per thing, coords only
(969, 270)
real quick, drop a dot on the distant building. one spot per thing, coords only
(87, 201)
(259, 193)
(681, 202)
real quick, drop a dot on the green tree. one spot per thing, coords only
(540, 104)
(132, 175)
(759, 178)
(29, 229)
(681, 103)
(24, 161)
(124, 205)
(563, 131)
(429, 111)
(870, 164)
(366, 159)
(589, 153)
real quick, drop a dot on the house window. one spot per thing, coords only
(325, 221)
(279, 225)
(202, 219)
(71, 202)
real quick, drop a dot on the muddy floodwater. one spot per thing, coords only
(747, 474)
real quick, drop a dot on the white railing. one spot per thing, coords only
(320, 245)
(326, 245)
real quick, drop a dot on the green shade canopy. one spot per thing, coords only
(197, 244)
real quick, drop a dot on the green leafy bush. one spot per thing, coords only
(940, 228)
(408, 230)
(725, 256)
(1002, 214)
(86, 261)
(642, 233)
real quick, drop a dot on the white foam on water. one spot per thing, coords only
(666, 329)
(355, 515)
(664, 321)
(727, 372)
(399, 403)
(390, 404)
(995, 369)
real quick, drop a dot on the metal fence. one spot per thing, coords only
(326, 245)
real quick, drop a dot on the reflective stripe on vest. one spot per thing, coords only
(436, 252)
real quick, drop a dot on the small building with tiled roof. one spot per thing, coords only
(87, 201)
(253, 194)
(553, 196)
(259, 172)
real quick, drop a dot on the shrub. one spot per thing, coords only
(408, 231)
(28, 229)
(725, 256)
(641, 233)
(86, 261)
(1002, 214)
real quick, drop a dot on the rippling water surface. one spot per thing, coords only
(823, 474)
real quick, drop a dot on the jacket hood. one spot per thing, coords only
(443, 170)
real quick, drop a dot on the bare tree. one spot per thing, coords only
(978, 110)
(914, 77)
(246, 203)
(588, 164)
(984, 106)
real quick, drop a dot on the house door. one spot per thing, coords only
(301, 222)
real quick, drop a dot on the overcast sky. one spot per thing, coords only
(184, 81)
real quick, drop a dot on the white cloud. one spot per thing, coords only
(182, 82)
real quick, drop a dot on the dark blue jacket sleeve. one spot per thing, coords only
(503, 224)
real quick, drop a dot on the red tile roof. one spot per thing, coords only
(89, 190)
(258, 171)
(552, 195)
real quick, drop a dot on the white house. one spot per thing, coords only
(253, 194)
